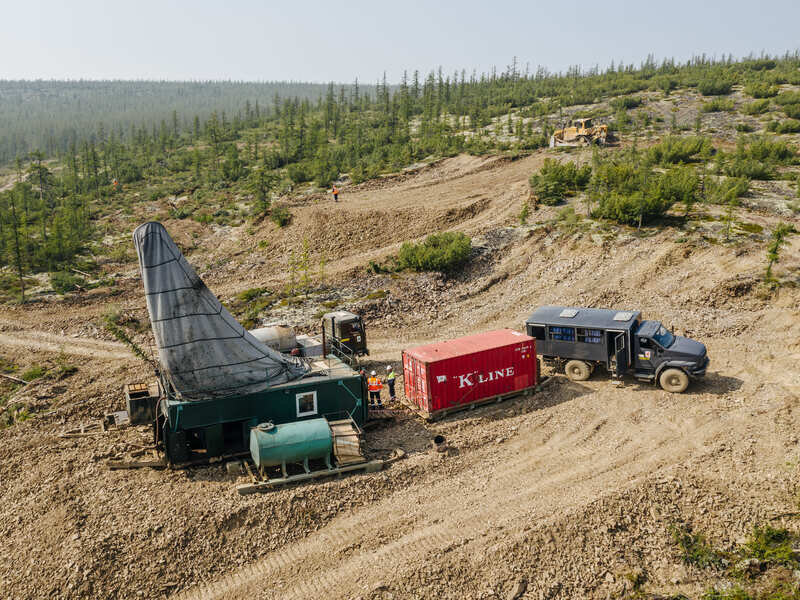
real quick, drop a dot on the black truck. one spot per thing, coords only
(580, 339)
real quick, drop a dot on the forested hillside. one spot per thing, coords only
(256, 149)
(53, 115)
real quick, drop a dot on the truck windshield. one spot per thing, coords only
(664, 337)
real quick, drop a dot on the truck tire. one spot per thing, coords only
(674, 381)
(577, 370)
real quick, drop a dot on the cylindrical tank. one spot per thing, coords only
(272, 445)
(277, 337)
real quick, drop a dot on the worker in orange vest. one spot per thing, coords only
(335, 192)
(374, 386)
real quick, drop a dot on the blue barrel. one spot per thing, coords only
(272, 445)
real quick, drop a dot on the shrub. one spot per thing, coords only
(439, 252)
(717, 105)
(785, 98)
(280, 215)
(627, 102)
(300, 172)
(771, 545)
(35, 372)
(715, 86)
(765, 148)
(251, 294)
(727, 189)
(759, 107)
(792, 111)
(749, 168)
(744, 128)
(787, 126)
(674, 149)
(761, 90)
(556, 179)
(63, 282)
(628, 193)
(679, 185)
(695, 549)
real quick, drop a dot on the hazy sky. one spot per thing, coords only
(313, 40)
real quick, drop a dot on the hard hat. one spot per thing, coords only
(388, 367)
(373, 373)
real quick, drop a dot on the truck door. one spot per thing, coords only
(620, 354)
(645, 354)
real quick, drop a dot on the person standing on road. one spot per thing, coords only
(390, 379)
(374, 386)
(335, 192)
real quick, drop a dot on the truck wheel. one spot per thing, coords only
(577, 370)
(674, 380)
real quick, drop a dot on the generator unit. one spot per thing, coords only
(343, 334)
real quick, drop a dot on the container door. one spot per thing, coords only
(408, 376)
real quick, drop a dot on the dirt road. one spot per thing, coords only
(568, 490)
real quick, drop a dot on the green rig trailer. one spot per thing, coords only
(217, 380)
(195, 430)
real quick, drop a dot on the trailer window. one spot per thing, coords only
(563, 334)
(590, 336)
(537, 331)
(306, 404)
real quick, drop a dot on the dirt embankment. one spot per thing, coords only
(569, 490)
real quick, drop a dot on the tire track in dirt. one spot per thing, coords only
(39, 340)
(547, 481)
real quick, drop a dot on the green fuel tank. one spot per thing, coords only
(272, 445)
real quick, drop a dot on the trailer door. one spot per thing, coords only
(621, 354)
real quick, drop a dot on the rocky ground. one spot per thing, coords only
(572, 492)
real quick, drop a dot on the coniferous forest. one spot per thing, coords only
(70, 148)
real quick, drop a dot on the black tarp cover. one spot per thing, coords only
(203, 350)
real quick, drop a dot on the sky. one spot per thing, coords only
(341, 40)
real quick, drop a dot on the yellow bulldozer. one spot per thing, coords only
(580, 133)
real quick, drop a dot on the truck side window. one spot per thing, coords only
(562, 334)
(590, 336)
(645, 343)
(537, 332)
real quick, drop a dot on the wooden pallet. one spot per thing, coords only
(443, 412)
(266, 485)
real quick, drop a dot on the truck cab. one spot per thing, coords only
(657, 350)
(581, 339)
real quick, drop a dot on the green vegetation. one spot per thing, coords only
(786, 126)
(63, 282)
(556, 179)
(715, 86)
(792, 111)
(770, 545)
(717, 105)
(626, 102)
(785, 98)
(695, 549)
(753, 563)
(759, 107)
(756, 157)
(761, 90)
(675, 149)
(444, 252)
(280, 215)
(627, 190)
(35, 372)
(778, 239)
(524, 212)
(218, 153)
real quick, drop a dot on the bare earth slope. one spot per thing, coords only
(569, 489)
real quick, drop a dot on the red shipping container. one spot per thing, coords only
(447, 375)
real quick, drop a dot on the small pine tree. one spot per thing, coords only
(777, 240)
